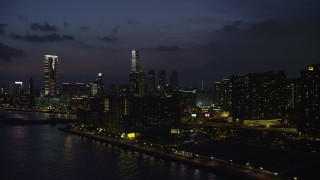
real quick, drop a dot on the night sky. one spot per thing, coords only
(201, 39)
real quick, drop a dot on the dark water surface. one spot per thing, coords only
(44, 152)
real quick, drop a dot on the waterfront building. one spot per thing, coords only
(51, 73)
(258, 96)
(152, 116)
(310, 100)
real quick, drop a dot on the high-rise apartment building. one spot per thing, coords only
(258, 96)
(293, 96)
(222, 94)
(51, 74)
(310, 100)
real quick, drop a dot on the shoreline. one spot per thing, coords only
(36, 111)
(231, 170)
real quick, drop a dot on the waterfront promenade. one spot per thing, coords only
(212, 165)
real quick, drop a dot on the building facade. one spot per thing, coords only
(51, 74)
(310, 100)
(258, 96)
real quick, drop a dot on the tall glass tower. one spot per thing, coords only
(51, 75)
(135, 60)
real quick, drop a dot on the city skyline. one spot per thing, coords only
(206, 40)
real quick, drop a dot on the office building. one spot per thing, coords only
(151, 83)
(135, 60)
(51, 73)
(100, 84)
(30, 88)
(18, 88)
(136, 78)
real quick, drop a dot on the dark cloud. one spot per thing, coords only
(84, 28)
(169, 49)
(45, 38)
(112, 37)
(261, 46)
(292, 30)
(271, 29)
(68, 37)
(2, 26)
(115, 30)
(235, 27)
(45, 27)
(65, 25)
(202, 20)
(7, 53)
(21, 17)
(132, 22)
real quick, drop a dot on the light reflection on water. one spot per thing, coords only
(35, 115)
(44, 152)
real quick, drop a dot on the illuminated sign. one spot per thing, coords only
(193, 115)
(310, 68)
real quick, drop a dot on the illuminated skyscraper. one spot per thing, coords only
(51, 74)
(100, 84)
(136, 77)
(135, 61)
(18, 88)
